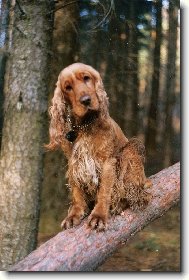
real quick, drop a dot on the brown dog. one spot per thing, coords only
(105, 169)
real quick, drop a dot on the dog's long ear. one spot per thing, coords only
(57, 115)
(101, 93)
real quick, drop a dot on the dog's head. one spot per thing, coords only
(80, 91)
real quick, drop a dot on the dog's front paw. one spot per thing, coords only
(97, 221)
(70, 221)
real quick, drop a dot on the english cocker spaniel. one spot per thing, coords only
(105, 169)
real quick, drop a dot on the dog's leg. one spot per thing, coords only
(99, 215)
(77, 210)
(133, 175)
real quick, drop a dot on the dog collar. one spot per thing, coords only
(73, 133)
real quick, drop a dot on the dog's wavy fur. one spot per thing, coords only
(105, 169)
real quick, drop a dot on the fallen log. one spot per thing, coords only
(79, 249)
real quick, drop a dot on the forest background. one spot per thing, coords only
(135, 45)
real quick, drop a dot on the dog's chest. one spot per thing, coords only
(84, 164)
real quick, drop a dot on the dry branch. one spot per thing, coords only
(79, 249)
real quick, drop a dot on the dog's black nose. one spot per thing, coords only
(85, 100)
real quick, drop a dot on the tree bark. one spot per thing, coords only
(151, 132)
(4, 15)
(24, 115)
(80, 249)
(170, 80)
(65, 50)
(131, 90)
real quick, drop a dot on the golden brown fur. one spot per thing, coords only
(105, 169)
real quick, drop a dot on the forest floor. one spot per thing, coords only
(155, 248)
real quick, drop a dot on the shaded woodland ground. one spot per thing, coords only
(157, 251)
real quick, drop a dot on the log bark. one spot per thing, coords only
(79, 249)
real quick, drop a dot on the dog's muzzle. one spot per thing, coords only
(85, 100)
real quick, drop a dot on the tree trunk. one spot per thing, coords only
(132, 87)
(171, 80)
(151, 132)
(79, 249)
(64, 52)
(65, 38)
(24, 114)
(4, 12)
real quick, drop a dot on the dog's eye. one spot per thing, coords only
(68, 88)
(86, 78)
